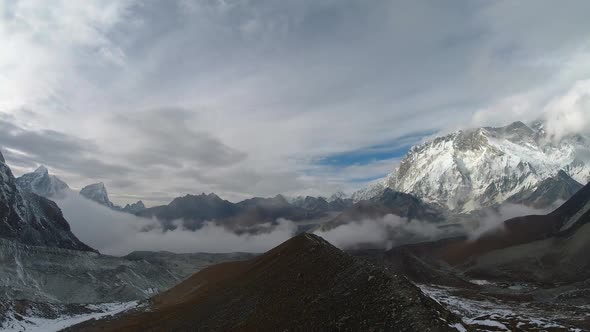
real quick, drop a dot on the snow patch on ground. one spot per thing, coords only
(499, 315)
(35, 323)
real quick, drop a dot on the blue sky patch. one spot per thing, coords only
(389, 150)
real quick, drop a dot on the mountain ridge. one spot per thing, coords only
(32, 219)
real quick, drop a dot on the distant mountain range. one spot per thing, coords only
(457, 174)
(474, 169)
(194, 210)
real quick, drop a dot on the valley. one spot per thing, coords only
(410, 262)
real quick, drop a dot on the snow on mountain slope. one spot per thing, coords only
(471, 169)
(42, 184)
(21, 316)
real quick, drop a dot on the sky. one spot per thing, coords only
(158, 99)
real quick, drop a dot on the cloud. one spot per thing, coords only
(391, 230)
(490, 220)
(384, 233)
(265, 89)
(46, 43)
(168, 137)
(569, 114)
(117, 233)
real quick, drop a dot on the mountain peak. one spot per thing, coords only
(42, 170)
(2, 157)
(97, 192)
(42, 183)
(517, 124)
(95, 186)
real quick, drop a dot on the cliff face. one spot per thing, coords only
(31, 219)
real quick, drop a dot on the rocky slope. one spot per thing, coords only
(53, 275)
(560, 257)
(303, 284)
(32, 219)
(533, 273)
(471, 169)
(530, 246)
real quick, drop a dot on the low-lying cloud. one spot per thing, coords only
(391, 230)
(117, 233)
(491, 221)
(383, 233)
(569, 114)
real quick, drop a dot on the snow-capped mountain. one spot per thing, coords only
(42, 184)
(30, 219)
(472, 169)
(97, 192)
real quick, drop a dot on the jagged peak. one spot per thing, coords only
(91, 190)
(517, 124)
(42, 170)
(2, 157)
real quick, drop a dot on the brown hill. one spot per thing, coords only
(303, 284)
